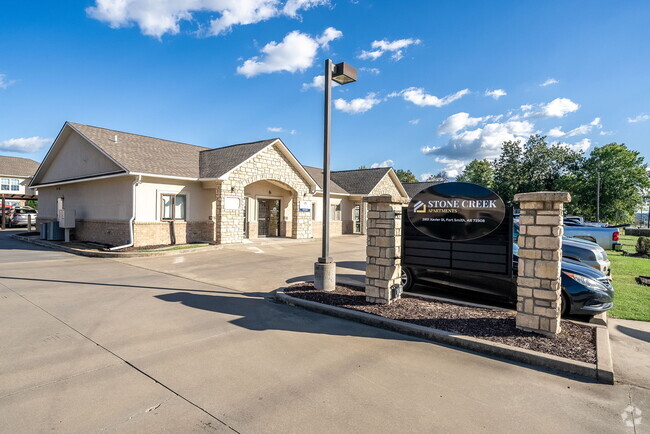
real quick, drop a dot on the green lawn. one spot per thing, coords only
(631, 301)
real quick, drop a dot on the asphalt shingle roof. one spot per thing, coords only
(359, 181)
(214, 163)
(16, 166)
(317, 174)
(413, 188)
(143, 154)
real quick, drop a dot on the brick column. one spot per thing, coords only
(540, 257)
(383, 251)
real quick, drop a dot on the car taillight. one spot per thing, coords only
(615, 236)
(16, 215)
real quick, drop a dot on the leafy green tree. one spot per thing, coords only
(623, 177)
(32, 203)
(508, 171)
(362, 167)
(478, 172)
(406, 175)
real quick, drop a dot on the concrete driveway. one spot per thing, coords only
(194, 343)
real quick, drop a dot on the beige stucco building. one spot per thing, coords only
(130, 189)
(15, 175)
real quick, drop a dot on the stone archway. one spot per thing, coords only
(268, 168)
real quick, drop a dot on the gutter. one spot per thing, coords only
(138, 180)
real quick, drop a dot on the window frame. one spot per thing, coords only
(13, 182)
(173, 209)
(5, 182)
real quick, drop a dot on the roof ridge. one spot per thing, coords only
(367, 168)
(139, 135)
(241, 144)
(21, 158)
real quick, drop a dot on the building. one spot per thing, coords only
(130, 189)
(15, 175)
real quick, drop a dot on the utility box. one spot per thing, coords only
(67, 218)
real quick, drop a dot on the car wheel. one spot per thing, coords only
(566, 307)
(406, 279)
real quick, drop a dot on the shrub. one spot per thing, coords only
(643, 246)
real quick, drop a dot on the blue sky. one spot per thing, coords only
(440, 82)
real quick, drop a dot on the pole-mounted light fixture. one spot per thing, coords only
(325, 268)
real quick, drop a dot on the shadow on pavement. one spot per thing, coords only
(634, 333)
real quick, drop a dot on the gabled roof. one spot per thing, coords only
(413, 188)
(359, 181)
(317, 174)
(17, 166)
(144, 154)
(214, 163)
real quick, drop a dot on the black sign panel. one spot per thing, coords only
(456, 211)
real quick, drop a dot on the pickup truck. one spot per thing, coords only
(607, 238)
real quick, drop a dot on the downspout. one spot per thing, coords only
(137, 181)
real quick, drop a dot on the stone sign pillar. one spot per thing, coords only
(384, 248)
(540, 256)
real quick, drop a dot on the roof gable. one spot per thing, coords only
(318, 176)
(359, 181)
(413, 188)
(144, 154)
(215, 163)
(17, 166)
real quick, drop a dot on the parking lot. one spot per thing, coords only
(195, 343)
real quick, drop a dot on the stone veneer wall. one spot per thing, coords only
(383, 249)
(269, 164)
(540, 257)
(385, 187)
(155, 233)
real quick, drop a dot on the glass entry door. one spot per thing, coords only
(356, 216)
(268, 217)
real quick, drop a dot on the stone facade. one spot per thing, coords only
(383, 251)
(540, 257)
(269, 164)
(385, 187)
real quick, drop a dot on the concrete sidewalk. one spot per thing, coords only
(197, 345)
(631, 351)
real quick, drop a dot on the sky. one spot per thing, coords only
(440, 82)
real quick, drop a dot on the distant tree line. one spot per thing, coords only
(619, 173)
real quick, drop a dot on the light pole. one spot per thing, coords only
(325, 267)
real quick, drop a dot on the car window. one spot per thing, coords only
(25, 211)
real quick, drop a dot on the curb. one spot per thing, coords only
(602, 371)
(100, 254)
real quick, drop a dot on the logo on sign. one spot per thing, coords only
(456, 211)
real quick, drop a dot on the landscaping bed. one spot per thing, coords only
(575, 342)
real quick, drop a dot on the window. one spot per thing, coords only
(4, 184)
(313, 211)
(335, 212)
(15, 184)
(173, 206)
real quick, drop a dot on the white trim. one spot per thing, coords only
(15, 176)
(72, 181)
(161, 192)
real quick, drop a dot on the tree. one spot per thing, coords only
(478, 172)
(362, 167)
(623, 178)
(405, 176)
(439, 177)
(534, 166)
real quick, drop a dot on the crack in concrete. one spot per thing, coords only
(122, 359)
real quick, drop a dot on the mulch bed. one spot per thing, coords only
(156, 247)
(575, 342)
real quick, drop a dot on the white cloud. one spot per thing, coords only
(24, 144)
(558, 108)
(457, 122)
(496, 93)
(374, 71)
(414, 121)
(578, 131)
(453, 168)
(159, 17)
(296, 52)
(425, 176)
(606, 133)
(387, 163)
(483, 142)
(395, 47)
(4, 82)
(549, 82)
(318, 82)
(580, 146)
(639, 118)
(291, 7)
(419, 97)
(281, 130)
(357, 105)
